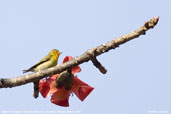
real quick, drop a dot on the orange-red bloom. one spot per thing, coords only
(60, 96)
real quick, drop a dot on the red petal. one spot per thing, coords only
(47, 86)
(52, 82)
(75, 69)
(67, 58)
(44, 88)
(61, 97)
(84, 91)
(81, 89)
(54, 76)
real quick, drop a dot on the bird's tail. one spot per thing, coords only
(24, 71)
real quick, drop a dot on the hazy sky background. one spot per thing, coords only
(138, 79)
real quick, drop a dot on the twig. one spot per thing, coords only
(88, 55)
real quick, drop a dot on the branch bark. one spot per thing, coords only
(90, 54)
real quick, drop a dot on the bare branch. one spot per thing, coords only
(90, 54)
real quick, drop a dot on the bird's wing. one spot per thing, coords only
(47, 58)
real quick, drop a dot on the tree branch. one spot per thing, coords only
(90, 54)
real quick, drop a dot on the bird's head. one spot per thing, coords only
(55, 52)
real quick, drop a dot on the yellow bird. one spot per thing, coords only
(49, 61)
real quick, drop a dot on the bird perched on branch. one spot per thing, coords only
(49, 61)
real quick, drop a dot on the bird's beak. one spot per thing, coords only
(60, 52)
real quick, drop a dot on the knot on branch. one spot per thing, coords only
(4, 82)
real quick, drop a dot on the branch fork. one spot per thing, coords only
(96, 63)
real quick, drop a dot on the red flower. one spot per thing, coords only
(60, 96)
